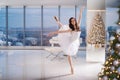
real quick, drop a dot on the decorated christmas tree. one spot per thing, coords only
(111, 70)
(96, 34)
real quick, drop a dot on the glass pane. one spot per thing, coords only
(15, 26)
(33, 27)
(65, 13)
(82, 26)
(111, 14)
(2, 26)
(49, 24)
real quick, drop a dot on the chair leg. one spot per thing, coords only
(56, 56)
(48, 55)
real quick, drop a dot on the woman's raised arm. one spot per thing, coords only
(58, 22)
(80, 16)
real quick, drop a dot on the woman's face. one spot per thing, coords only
(73, 21)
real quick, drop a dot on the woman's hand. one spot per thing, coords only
(58, 22)
(56, 18)
(51, 34)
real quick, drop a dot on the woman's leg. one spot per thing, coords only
(71, 66)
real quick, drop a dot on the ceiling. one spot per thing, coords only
(109, 3)
(96, 4)
(42, 2)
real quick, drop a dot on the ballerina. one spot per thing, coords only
(68, 37)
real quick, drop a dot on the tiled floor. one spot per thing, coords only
(35, 65)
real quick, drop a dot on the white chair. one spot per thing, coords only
(53, 41)
(53, 50)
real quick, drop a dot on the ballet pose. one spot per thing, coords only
(68, 37)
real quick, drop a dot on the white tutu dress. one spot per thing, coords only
(69, 41)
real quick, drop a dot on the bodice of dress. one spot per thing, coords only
(75, 35)
(69, 41)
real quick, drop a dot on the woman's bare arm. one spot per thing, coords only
(57, 32)
(80, 16)
(58, 22)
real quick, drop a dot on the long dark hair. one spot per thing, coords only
(72, 26)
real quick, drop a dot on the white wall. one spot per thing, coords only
(96, 4)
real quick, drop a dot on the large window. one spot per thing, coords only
(2, 26)
(33, 26)
(49, 24)
(30, 25)
(15, 26)
(111, 21)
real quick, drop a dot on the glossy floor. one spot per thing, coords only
(38, 65)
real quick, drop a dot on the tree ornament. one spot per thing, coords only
(115, 79)
(110, 72)
(115, 63)
(111, 42)
(118, 31)
(119, 53)
(105, 78)
(107, 73)
(112, 38)
(112, 68)
(118, 76)
(106, 62)
(100, 78)
(112, 51)
(102, 70)
(117, 45)
(111, 63)
(118, 38)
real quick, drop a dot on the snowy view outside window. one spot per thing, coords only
(29, 26)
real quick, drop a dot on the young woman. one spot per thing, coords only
(68, 37)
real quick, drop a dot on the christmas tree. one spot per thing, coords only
(111, 70)
(96, 34)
